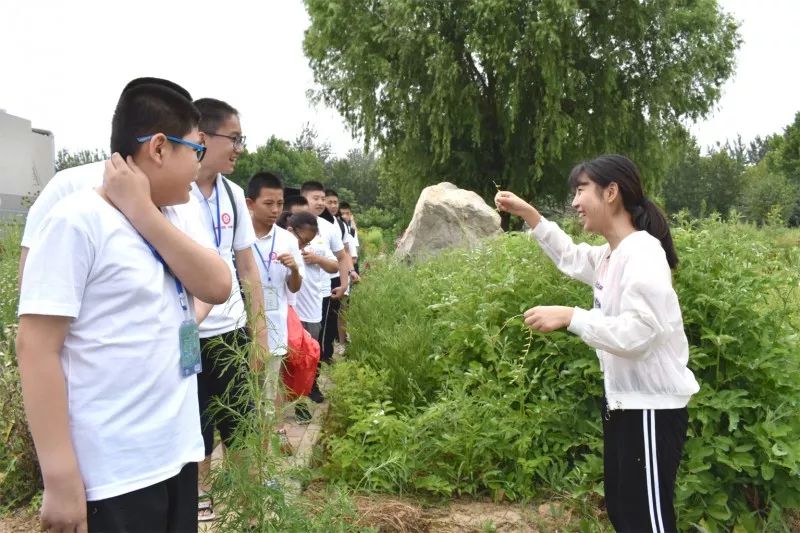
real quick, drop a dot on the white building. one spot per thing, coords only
(27, 162)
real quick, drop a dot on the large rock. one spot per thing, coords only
(447, 217)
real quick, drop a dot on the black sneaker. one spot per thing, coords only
(301, 414)
(316, 394)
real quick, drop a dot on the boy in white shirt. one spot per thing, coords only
(279, 260)
(107, 343)
(231, 325)
(338, 282)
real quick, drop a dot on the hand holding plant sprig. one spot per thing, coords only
(544, 318)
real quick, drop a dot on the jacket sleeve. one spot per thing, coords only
(577, 261)
(643, 307)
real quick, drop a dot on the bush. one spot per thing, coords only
(19, 471)
(767, 197)
(445, 392)
(374, 242)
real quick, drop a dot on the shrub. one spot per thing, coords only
(19, 471)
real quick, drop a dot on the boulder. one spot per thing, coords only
(447, 217)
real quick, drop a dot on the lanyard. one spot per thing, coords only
(178, 284)
(272, 249)
(217, 230)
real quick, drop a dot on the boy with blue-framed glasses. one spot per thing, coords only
(108, 347)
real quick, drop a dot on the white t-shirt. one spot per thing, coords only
(274, 277)
(315, 282)
(354, 245)
(332, 238)
(133, 417)
(231, 315)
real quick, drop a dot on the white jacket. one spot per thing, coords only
(636, 324)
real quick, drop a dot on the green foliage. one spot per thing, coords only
(767, 196)
(19, 471)
(357, 172)
(253, 485)
(705, 184)
(65, 159)
(445, 392)
(785, 154)
(514, 89)
(374, 242)
(296, 164)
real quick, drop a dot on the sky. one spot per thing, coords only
(63, 64)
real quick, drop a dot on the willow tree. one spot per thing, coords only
(515, 91)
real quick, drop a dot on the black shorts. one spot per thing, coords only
(169, 506)
(224, 382)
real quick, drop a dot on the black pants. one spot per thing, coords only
(330, 323)
(642, 450)
(168, 506)
(224, 382)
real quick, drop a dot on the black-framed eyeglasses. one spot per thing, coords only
(238, 141)
(199, 149)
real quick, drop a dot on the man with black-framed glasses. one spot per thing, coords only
(239, 141)
(231, 325)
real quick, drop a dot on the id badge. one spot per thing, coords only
(189, 338)
(271, 298)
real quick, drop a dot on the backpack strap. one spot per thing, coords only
(233, 207)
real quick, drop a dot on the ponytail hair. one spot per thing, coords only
(645, 214)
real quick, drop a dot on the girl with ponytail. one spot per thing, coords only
(636, 327)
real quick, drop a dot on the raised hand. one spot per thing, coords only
(513, 204)
(287, 260)
(126, 186)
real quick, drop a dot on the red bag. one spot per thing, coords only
(300, 367)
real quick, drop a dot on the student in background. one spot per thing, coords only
(281, 266)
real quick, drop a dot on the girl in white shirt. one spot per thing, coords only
(636, 327)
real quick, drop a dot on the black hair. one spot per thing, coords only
(282, 219)
(263, 180)
(646, 215)
(294, 201)
(302, 220)
(310, 186)
(150, 108)
(213, 113)
(158, 81)
(344, 205)
(331, 192)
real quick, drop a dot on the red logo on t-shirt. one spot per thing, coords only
(226, 218)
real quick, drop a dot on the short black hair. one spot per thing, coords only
(294, 201)
(158, 81)
(344, 205)
(147, 109)
(302, 220)
(213, 113)
(263, 180)
(282, 219)
(309, 186)
(331, 192)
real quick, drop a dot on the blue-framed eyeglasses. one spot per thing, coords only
(199, 149)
